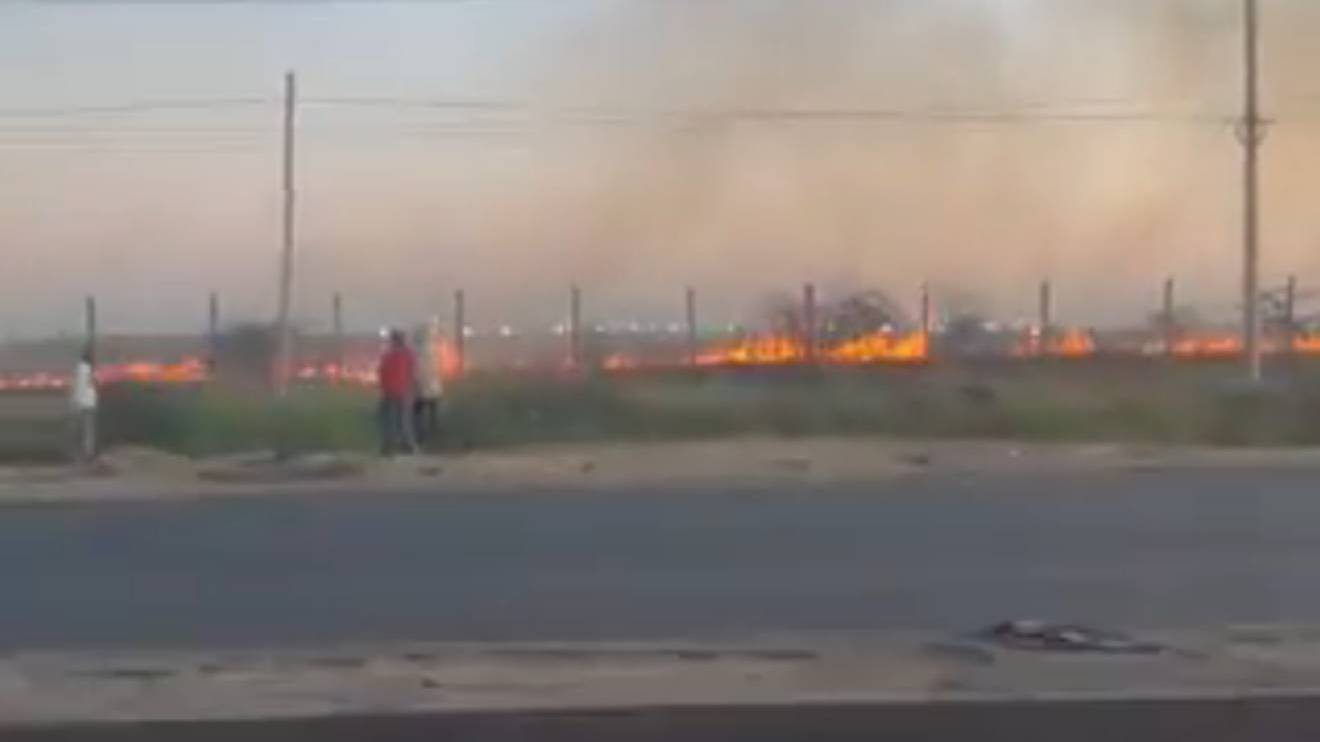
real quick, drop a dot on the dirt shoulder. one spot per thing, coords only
(144, 474)
(50, 687)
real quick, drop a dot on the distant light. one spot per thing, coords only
(634, 327)
(469, 331)
(506, 331)
(559, 329)
(601, 329)
(384, 333)
(674, 328)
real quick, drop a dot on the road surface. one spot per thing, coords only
(1273, 719)
(1139, 549)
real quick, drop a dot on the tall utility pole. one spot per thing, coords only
(1251, 134)
(284, 347)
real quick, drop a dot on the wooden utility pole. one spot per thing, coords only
(89, 327)
(1290, 317)
(690, 315)
(213, 330)
(460, 331)
(1046, 317)
(284, 341)
(575, 326)
(337, 323)
(1250, 134)
(809, 322)
(1168, 324)
(926, 317)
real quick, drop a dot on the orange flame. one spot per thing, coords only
(882, 347)
(620, 362)
(1307, 344)
(188, 370)
(780, 350)
(1208, 347)
(1070, 343)
(763, 350)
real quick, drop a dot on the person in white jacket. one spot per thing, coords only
(83, 402)
(428, 386)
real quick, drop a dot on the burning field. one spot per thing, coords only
(859, 366)
(866, 329)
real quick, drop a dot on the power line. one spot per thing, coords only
(132, 108)
(1009, 112)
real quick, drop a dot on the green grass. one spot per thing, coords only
(199, 421)
(1063, 402)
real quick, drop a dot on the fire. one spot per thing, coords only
(364, 374)
(763, 350)
(620, 362)
(33, 382)
(187, 371)
(193, 370)
(1307, 344)
(782, 350)
(1227, 345)
(1070, 343)
(1208, 347)
(882, 347)
(448, 359)
(363, 371)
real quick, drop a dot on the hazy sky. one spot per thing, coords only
(613, 159)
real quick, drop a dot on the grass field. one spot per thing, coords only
(1096, 400)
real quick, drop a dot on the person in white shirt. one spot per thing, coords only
(82, 400)
(428, 386)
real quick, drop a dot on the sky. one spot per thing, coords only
(512, 147)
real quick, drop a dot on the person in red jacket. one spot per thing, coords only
(395, 374)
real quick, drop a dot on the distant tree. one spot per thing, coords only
(864, 313)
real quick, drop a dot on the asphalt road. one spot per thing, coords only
(1246, 720)
(1153, 549)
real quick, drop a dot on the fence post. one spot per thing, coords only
(1167, 319)
(212, 331)
(575, 327)
(337, 325)
(809, 330)
(460, 332)
(89, 325)
(1046, 318)
(690, 315)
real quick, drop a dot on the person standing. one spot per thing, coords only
(83, 401)
(428, 386)
(395, 375)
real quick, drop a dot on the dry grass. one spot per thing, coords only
(1099, 400)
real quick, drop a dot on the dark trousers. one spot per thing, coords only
(395, 426)
(426, 419)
